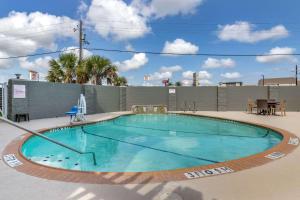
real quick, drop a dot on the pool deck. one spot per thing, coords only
(279, 179)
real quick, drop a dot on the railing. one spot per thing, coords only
(149, 109)
(49, 139)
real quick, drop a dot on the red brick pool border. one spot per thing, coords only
(51, 173)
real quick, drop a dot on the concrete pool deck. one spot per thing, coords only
(276, 180)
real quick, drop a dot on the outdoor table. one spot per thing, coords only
(273, 104)
(265, 105)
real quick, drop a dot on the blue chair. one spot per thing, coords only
(72, 113)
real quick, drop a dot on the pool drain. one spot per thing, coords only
(169, 196)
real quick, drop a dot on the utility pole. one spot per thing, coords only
(296, 75)
(263, 80)
(81, 39)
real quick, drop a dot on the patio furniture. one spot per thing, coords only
(20, 116)
(282, 107)
(262, 106)
(251, 105)
(72, 113)
(272, 105)
(139, 109)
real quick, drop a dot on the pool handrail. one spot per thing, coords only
(48, 139)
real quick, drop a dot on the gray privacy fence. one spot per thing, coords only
(45, 100)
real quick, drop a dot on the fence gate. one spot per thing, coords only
(3, 98)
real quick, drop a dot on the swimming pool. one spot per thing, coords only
(142, 143)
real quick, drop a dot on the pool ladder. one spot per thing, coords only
(49, 139)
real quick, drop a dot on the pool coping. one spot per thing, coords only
(51, 173)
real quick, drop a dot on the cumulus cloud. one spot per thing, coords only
(124, 21)
(75, 50)
(175, 68)
(138, 60)
(187, 82)
(163, 8)
(160, 76)
(205, 82)
(233, 75)
(165, 73)
(278, 58)
(116, 19)
(24, 33)
(180, 46)
(4, 63)
(201, 74)
(39, 64)
(212, 63)
(82, 8)
(245, 32)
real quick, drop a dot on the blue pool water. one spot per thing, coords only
(139, 143)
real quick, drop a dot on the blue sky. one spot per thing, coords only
(191, 26)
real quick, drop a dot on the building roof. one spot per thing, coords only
(278, 81)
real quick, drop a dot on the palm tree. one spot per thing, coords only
(111, 73)
(55, 74)
(178, 84)
(82, 75)
(63, 69)
(120, 81)
(96, 68)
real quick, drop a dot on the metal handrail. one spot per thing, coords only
(48, 139)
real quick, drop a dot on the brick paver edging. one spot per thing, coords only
(52, 173)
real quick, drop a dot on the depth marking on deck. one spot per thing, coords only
(293, 141)
(11, 160)
(275, 155)
(208, 172)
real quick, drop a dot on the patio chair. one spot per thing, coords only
(262, 106)
(282, 107)
(161, 109)
(272, 108)
(251, 105)
(72, 113)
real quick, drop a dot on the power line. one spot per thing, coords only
(201, 23)
(33, 27)
(38, 54)
(150, 52)
(31, 36)
(189, 54)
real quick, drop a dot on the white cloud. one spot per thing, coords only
(278, 58)
(179, 46)
(39, 64)
(163, 8)
(138, 60)
(212, 63)
(233, 75)
(82, 8)
(124, 21)
(4, 63)
(3, 78)
(187, 82)
(204, 75)
(22, 33)
(160, 76)
(175, 68)
(205, 82)
(244, 32)
(75, 50)
(129, 47)
(201, 74)
(188, 74)
(116, 19)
